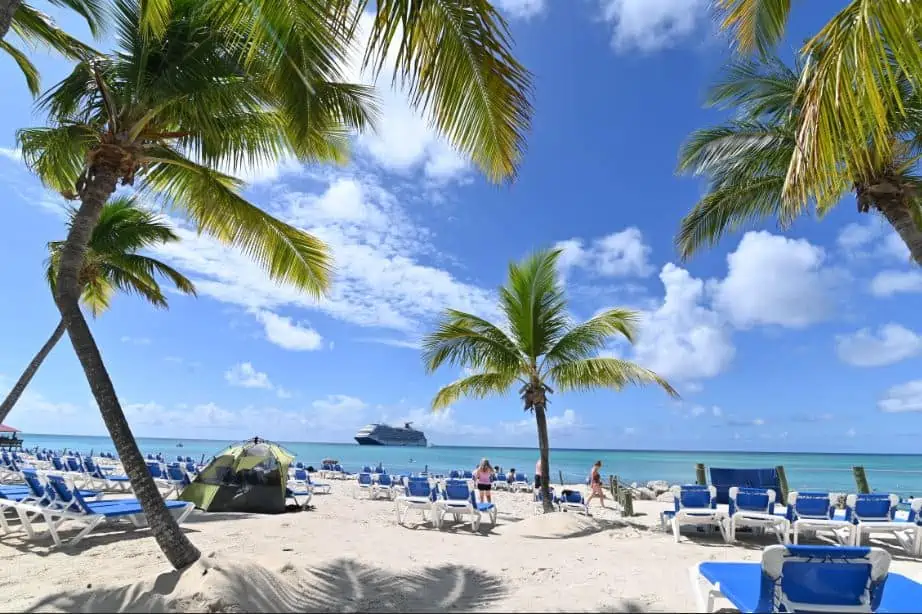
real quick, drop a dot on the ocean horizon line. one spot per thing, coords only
(503, 447)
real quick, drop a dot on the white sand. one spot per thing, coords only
(350, 555)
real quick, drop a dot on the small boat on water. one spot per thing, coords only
(179, 445)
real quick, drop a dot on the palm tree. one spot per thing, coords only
(33, 26)
(203, 90)
(536, 347)
(746, 160)
(111, 264)
(849, 92)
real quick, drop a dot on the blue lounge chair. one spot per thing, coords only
(696, 506)
(454, 474)
(75, 507)
(520, 482)
(363, 484)
(457, 499)
(467, 474)
(811, 512)
(874, 513)
(418, 495)
(809, 579)
(383, 487)
(573, 501)
(755, 508)
(539, 500)
(318, 487)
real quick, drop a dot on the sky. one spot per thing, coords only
(798, 339)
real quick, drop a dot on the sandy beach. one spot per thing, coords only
(350, 555)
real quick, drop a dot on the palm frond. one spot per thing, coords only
(133, 282)
(455, 60)
(97, 294)
(93, 11)
(756, 25)
(756, 89)
(145, 267)
(463, 339)
(154, 17)
(850, 90)
(33, 26)
(591, 373)
(534, 303)
(124, 227)
(58, 154)
(212, 201)
(587, 338)
(477, 386)
(29, 71)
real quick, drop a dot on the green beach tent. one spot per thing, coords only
(249, 476)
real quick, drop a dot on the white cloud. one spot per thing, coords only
(697, 410)
(902, 398)
(630, 430)
(776, 280)
(873, 237)
(442, 422)
(380, 278)
(619, 254)
(716, 411)
(11, 154)
(890, 344)
(650, 25)
(244, 375)
(888, 283)
(397, 343)
(287, 334)
(851, 432)
(339, 403)
(283, 393)
(683, 339)
(521, 9)
(135, 340)
(561, 424)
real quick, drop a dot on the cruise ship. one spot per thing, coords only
(384, 435)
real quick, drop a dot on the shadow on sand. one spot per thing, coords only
(346, 585)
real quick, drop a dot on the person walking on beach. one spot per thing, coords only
(595, 484)
(483, 476)
(538, 474)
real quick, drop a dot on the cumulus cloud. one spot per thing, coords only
(902, 398)
(287, 334)
(651, 25)
(890, 344)
(521, 9)
(339, 403)
(774, 280)
(889, 283)
(245, 375)
(872, 237)
(135, 340)
(619, 254)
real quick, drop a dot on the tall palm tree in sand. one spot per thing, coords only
(33, 26)
(745, 161)
(536, 348)
(111, 263)
(194, 89)
(850, 91)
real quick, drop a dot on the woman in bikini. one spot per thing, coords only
(483, 475)
(595, 484)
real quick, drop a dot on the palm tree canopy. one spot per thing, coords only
(35, 27)
(112, 263)
(538, 345)
(168, 112)
(453, 56)
(746, 159)
(850, 87)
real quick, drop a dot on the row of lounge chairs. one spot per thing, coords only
(806, 513)
(453, 497)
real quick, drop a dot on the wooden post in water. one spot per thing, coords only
(701, 478)
(783, 484)
(561, 476)
(861, 480)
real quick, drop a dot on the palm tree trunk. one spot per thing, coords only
(29, 373)
(897, 213)
(7, 10)
(100, 185)
(544, 449)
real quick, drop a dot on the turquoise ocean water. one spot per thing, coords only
(886, 473)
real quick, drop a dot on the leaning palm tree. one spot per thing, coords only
(746, 159)
(111, 263)
(202, 91)
(537, 348)
(850, 89)
(34, 27)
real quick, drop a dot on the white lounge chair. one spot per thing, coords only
(520, 482)
(363, 485)
(755, 508)
(383, 487)
(812, 512)
(874, 513)
(418, 495)
(458, 500)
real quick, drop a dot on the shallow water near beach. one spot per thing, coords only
(886, 472)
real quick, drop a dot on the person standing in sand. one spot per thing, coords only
(483, 476)
(538, 474)
(595, 484)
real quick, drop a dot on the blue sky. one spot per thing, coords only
(801, 340)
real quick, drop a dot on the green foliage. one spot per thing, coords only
(112, 263)
(537, 344)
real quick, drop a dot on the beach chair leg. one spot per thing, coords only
(675, 529)
(695, 576)
(92, 523)
(185, 513)
(53, 525)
